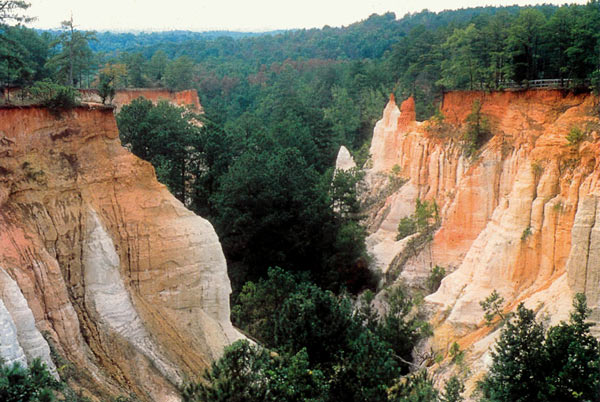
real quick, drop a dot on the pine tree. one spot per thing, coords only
(573, 358)
(453, 390)
(518, 361)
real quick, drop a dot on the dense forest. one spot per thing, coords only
(260, 167)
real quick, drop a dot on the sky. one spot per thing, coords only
(236, 15)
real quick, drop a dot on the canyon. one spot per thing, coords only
(104, 275)
(519, 216)
(118, 288)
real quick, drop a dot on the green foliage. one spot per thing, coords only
(477, 129)
(257, 302)
(518, 360)
(23, 54)
(462, 68)
(316, 320)
(417, 387)
(426, 214)
(425, 218)
(134, 63)
(343, 116)
(165, 136)
(437, 125)
(71, 63)
(406, 227)
(33, 384)
(456, 354)
(251, 373)
(537, 169)
(435, 277)
(453, 390)
(558, 207)
(178, 74)
(560, 365)
(398, 327)
(277, 210)
(575, 136)
(492, 307)
(55, 97)
(573, 357)
(359, 351)
(343, 193)
(526, 233)
(362, 155)
(157, 66)
(523, 44)
(106, 87)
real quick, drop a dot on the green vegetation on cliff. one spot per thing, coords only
(534, 364)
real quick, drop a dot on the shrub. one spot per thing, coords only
(478, 129)
(426, 216)
(558, 207)
(106, 87)
(54, 96)
(406, 227)
(437, 125)
(456, 354)
(435, 278)
(453, 390)
(34, 383)
(575, 136)
(414, 387)
(361, 155)
(537, 169)
(492, 307)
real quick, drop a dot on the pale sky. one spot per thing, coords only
(241, 15)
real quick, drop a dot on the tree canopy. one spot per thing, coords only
(531, 364)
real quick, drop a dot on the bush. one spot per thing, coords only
(526, 233)
(453, 390)
(416, 387)
(406, 227)
(426, 216)
(435, 278)
(34, 384)
(106, 87)
(456, 354)
(575, 136)
(537, 169)
(478, 129)
(54, 96)
(492, 307)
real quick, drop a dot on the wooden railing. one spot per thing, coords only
(547, 83)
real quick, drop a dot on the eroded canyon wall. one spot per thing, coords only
(520, 216)
(188, 98)
(100, 266)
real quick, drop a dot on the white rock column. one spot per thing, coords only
(28, 336)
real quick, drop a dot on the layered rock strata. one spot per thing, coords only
(519, 216)
(100, 263)
(188, 98)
